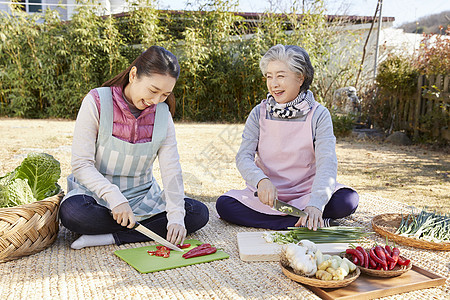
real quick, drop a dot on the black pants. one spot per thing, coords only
(82, 214)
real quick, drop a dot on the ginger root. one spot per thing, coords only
(323, 275)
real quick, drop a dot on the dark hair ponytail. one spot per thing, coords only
(154, 60)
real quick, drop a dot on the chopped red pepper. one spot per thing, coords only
(184, 246)
(161, 251)
(201, 250)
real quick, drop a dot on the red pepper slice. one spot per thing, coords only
(161, 251)
(184, 246)
(201, 250)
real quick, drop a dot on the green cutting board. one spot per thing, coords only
(139, 259)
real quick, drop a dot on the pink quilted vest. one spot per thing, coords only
(125, 126)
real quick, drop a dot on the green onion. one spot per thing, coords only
(425, 225)
(335, 234)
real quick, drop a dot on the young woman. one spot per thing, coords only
(120, 129)
(292, 137)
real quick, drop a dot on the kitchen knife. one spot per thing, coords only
(286, 208)
(147, 232)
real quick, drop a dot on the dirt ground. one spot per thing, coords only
(416, 175)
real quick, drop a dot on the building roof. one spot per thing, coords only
(255, 15)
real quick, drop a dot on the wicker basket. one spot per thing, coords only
(311, 281)
(387, 224)
(29, 228)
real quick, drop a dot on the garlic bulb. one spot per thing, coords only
(308, 244)
(304, 264)
(293, 250)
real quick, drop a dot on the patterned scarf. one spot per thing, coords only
(296, 108)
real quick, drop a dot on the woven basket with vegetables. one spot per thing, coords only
(425, 230)
(29, 201)
(304, 263)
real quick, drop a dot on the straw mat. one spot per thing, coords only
(96, 273)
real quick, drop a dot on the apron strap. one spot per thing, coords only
(161, 120)
(106, 111)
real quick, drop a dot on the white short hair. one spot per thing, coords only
(296, 58)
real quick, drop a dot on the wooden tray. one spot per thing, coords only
(367, 287)
(387, 224)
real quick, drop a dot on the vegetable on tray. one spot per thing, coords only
(377, 257)
(306, 260)
(335, 234)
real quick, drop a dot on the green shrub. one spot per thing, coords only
(47, 66)
(396, 84)
(342, 125)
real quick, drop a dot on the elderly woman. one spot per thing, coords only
(292, 137)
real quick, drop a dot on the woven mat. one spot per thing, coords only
(96, 273)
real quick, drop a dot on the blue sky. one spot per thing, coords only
(403, 10)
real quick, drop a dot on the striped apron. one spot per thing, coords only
(127, 165)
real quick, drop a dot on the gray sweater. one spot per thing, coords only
(324, 147)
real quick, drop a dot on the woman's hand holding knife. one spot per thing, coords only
(123, 215)
(267, 192)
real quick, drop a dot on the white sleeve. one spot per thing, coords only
(83, 155)
(171, 174)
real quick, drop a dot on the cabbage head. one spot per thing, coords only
(42, 172)
(39, 171)
(16, 192)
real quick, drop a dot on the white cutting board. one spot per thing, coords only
(253, 247)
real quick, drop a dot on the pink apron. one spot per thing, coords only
(286, 155)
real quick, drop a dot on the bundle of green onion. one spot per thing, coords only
(335, 234)
(427, 226)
